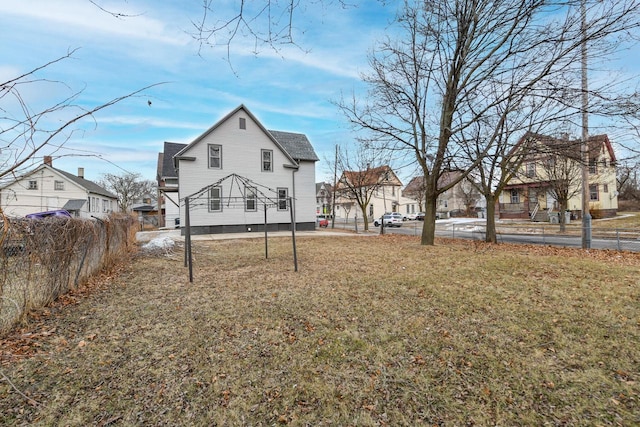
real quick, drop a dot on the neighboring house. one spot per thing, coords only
(47, 188)
(531, 192)
(167, 177)
(461, 199)
(238, 174)
(380, 182)
(324, 193)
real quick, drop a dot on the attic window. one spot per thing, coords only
(243, 123)
(33, 185)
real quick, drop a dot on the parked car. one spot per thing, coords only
(420, 216)
(409, 216)
(323, 223)
(59, 213)
(393, 219)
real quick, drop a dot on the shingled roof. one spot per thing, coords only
(296, 144)
(170, 150)
(86, 184)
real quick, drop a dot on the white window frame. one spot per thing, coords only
(213, 199)
(210, 147)
(58, 185)
(284, 199)
(33, 184)
(263, 161)
(250, 198)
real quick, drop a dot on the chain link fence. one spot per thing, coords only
(620, 239)
(43, 259)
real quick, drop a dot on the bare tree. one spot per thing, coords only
(456, 62)
(362, 175)
(415, 190)
(564, 175)
(129, 187)
(267, 23)
(28, 131)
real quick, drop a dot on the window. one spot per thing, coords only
(89, 204)
(243, 123)
(215, 199)
(593, 192)
(393, 191)
(250, 197)
(370, 210)
(515, 197)
(283, 196)
(605, 188)
(105, 206)
(593, 165)
(531, 170)
(58, 185)
(267, 160)
(215, 156)
(33, 185)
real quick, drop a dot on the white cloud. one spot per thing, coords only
(83, 15)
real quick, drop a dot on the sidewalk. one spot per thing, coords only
(174, 234)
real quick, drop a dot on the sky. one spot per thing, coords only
(292, 89)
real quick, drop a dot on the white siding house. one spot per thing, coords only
(47, 188)
(237, 169)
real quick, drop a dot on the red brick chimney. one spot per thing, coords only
(48, 160)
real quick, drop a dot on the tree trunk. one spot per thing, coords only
(491, 235)
(365, 217)
(562, 219)
(429, 227)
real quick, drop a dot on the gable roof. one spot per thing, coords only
(569, 147)
(371, 177)
(295, 146)
(90, 186)
(417, 183)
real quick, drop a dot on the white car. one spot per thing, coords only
(409, 216)
(393, 219)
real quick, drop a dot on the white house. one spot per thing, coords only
(380, 185)
(47, 188)
(239, 176)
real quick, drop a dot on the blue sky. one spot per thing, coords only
(289, 90)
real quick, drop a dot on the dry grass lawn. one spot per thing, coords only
(371, 331)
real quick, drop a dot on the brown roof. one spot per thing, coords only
(371, 177)
(570, 147)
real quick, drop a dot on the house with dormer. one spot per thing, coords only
(240, 177)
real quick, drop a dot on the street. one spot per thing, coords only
(534, 233)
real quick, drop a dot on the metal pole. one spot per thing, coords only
(188, 238)
(293, 236)
(266, 245)
(584, 146)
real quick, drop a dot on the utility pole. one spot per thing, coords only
(584, 146)
(333, 190)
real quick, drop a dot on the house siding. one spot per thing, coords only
(17, 200)
(242, 155)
